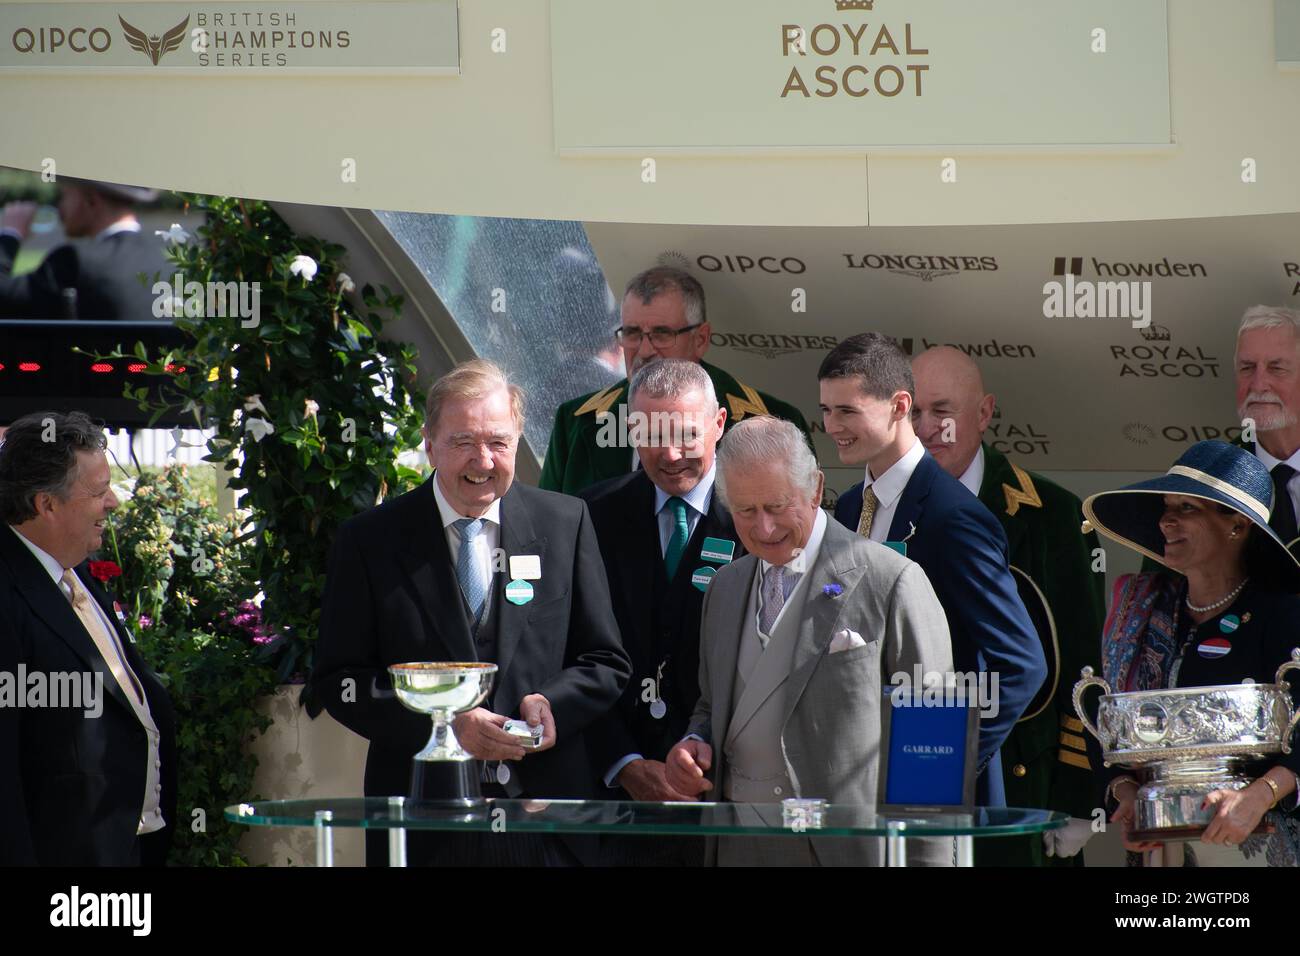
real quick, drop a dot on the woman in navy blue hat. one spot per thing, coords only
(1225, 610)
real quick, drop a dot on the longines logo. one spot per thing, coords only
(1163, 359)
(154, 47)
(769, 346)
(923, 267)
(1140, 433)
(837, 43)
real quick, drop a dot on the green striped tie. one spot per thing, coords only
(681, 534)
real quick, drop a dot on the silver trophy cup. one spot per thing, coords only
(444, 770)
(1186, 743)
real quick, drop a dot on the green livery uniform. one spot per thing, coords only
(1044, 761)
(575, 459)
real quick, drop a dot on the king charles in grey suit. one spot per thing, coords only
(797, 643)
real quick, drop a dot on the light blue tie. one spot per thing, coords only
(468, 571)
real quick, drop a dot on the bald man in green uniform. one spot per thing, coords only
(663, 317)
(1044, 761)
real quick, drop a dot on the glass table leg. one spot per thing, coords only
(324, 838)
(965, 851)
(896, 843)
(397, 835)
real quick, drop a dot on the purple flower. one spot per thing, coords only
(145, 620)
(833, 590)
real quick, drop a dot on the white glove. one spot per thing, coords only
(1069, 839)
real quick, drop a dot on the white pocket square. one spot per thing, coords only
(846, 640)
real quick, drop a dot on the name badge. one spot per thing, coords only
(717, 550)
(519, 592)
(525, 567)
(899, 546)
(702, 577)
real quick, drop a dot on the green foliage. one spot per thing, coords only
(316, 468)
(184, 576)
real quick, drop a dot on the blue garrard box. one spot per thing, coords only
(929, 746)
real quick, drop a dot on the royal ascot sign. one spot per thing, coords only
(321, 37)
(776, 75)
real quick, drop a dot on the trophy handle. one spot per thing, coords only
(1088, 680)
(1291, 665)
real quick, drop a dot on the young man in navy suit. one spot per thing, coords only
(907, 501)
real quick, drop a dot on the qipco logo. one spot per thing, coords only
(54, 39)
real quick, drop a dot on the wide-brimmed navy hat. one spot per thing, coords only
(1211, 470)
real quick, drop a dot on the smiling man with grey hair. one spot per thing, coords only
(797, 641)
(662, 534)
(1267, 367)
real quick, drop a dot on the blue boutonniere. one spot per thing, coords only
(833, 590)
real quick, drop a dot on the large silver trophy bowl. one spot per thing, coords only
(443, 770)
(1188, 742)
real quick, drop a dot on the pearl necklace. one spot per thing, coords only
(1217, 604)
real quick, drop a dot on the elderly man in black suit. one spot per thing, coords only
(419, 579)
(89, 781)
(97, 274)
(663, 535)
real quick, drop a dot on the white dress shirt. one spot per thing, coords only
(1292, 486)
(697, 501)
(796, 568)
(485, 544)
(973, 476)
(151, 818)
(889, 489)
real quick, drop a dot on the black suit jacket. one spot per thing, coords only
(71, 786)
(963, 551)
(659, 619)
(392, 596)
(105, 272)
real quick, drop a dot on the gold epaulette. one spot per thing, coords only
(751, 404)
(1026, 494)
(600, 402)
(1073, 748)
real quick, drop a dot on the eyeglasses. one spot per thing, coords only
(660, 337)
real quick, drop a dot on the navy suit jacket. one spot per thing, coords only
(963, 550)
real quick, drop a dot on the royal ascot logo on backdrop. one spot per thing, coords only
(1140, 433)
(924, 267)
(154, 47)
(1016, 438)
(1292, 271)
(770, 345)
(1160, 357)
(855, 58)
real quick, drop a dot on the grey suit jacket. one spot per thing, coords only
(831, 728)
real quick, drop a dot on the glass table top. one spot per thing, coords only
(664, 819)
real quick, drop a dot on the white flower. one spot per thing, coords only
(310, 409)
(260, 428)
(304, 266)
(174, 234)
(254, 404)
(345, 283)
